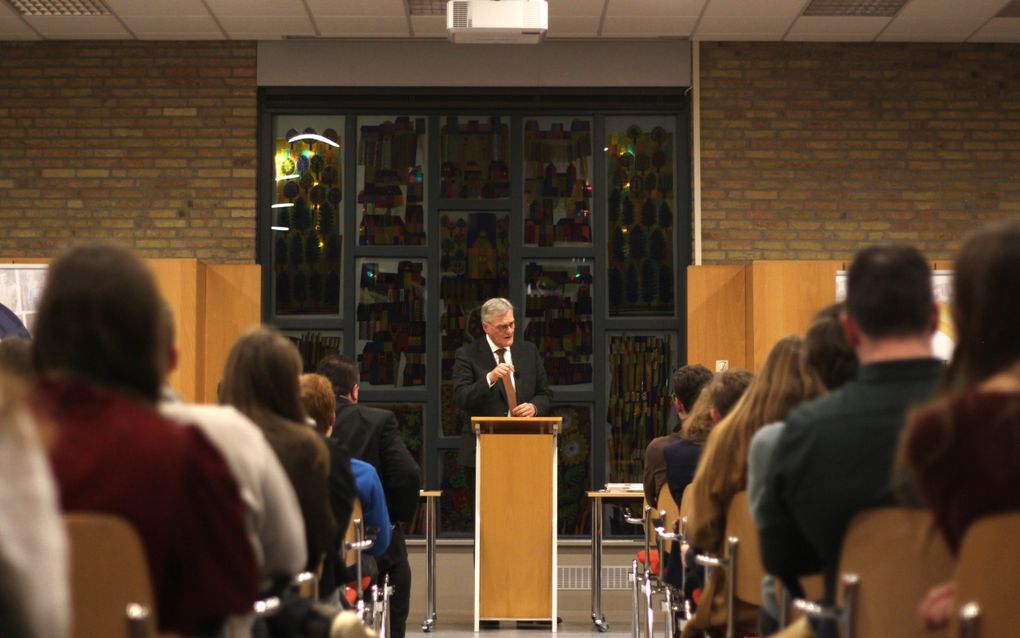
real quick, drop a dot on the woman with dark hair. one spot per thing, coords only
(261, 379)
(963, 449)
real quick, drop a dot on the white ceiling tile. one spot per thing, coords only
(573, 26)
(429, 25)
(172, 24)
(939, 20)
(747, 19)
(836, 29)
(259, 8)
(998, 30)
(251, 27)
(78, 27)
(363, 27)
(642, 26)
(12, 28)
(654, 8)
(560, 8)
(191, 35)
(125, 8)
(365, 8)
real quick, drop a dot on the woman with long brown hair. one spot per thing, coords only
(781, 385)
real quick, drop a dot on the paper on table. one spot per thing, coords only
(625, 487)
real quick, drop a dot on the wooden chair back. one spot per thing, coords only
(748, 571)
(896, 555)
(988, 575)
(109, 575)
(672, 513)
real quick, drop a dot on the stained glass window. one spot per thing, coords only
(475, 157)
(391, 322)
(391, 181)
(557, 181)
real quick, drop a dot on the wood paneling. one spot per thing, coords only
(233, 298)
(181, 282)
(783, 297)
(716, 319)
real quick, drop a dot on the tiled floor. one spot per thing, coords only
(453, 626)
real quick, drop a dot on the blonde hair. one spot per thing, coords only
(318, 400)
(782, 384)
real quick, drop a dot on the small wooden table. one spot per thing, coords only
(597, 498)
(431, 497)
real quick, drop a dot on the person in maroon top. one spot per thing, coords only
(963, 449)
(97, 351)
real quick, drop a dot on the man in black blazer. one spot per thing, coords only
(480, 368)
(372, 435)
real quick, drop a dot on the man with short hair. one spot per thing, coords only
(688, 382)
(372, 435)
(835, 454)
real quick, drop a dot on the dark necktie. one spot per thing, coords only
(511, 394)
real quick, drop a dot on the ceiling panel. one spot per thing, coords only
(148, 8)
(998, 30)
(78, 27)
(573, 26)
(12, 27)
(648, 26)
(349, 27)
(654, 8)
(257, 28)
(745, 20)
(576, 8)
(842, 29)
(257, 8)
(939, 20)
(363, 8)
(160, 27)
(429, 25)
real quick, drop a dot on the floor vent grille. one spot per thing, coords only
(579, 578)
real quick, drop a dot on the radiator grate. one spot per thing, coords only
(579, 578)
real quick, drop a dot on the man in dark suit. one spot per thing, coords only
(372, 435)
(489, 372)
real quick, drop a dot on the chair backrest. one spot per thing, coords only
(897, 556)
(988, 573)
(748, 568)
(109, 572)
(686, 502)
(668, 505)
(357, 515)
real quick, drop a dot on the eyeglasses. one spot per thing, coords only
(504, 327)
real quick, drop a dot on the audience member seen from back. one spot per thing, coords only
(34, 596)
(834, 456)
(964, 447)
(98, 353)
(828, 354)
(275, 528)
(261, 380)
(372, 435)
(722, 472)
(688, 382)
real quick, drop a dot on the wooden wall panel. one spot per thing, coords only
(716, 315)
(181, 282)
(233, 302)
(782, 298)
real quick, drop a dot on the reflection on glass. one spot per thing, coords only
(557, 181)
(475, 158)
(391, 181)
(315, 346)
(640, 216)
(306, 229)
(457, 504)
(574, 473)
(638, 409)
(391, 322)
(558, 317)
(474, 253)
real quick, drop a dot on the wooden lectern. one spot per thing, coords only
(515, 518)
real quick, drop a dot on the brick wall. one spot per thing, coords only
(151, 144)
(812, 150)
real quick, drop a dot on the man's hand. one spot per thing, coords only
(500, 372)
(524, 409)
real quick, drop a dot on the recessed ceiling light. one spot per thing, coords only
(858, 8)
(60, 7)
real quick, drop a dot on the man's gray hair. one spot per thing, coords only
(495, 307)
